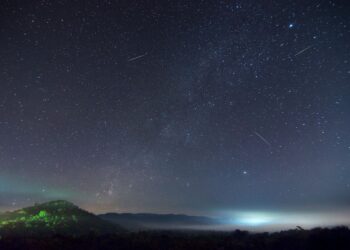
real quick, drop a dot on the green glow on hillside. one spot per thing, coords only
(42, 214)
(42, 218)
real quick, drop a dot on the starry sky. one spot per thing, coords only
(199, 107)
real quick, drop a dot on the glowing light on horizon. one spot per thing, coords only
(252, 218)
(269, 219)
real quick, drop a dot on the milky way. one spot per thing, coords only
(198, 107)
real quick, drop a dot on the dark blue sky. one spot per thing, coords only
(198, 107)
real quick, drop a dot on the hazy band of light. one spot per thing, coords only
(19, 188)
(269, 219)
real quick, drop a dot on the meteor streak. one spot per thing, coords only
(262, 138)
(137, 57)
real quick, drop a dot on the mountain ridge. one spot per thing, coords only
(144, 221)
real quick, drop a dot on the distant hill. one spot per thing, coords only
(55, 217)
(145, 221)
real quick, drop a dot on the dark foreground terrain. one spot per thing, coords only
(336, 238)
(63, 225)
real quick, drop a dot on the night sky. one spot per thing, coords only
(198, 107)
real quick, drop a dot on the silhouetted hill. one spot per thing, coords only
(55, 217)
(158, 221)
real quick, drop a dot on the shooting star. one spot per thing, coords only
(303, 50)
(262, 138)
(137, 57)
